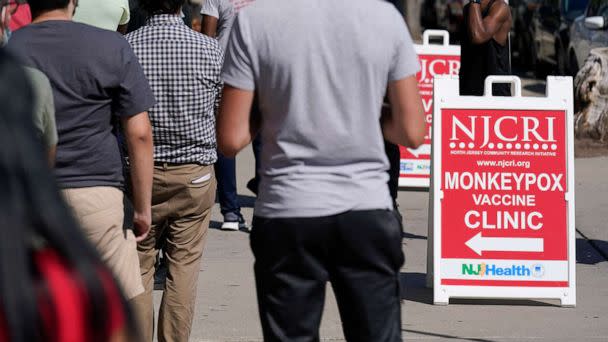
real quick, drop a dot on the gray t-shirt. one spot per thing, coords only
(225, 11)
(320, 69)
(95, 76)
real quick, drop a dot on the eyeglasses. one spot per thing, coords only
(11, 6)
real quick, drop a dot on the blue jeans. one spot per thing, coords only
(225, 172)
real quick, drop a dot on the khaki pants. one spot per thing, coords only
(182, 198)
(100, 213)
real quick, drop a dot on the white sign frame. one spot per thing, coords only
(559, 97)
(426, 48)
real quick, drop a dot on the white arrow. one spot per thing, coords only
(479, 244)
(423, 149)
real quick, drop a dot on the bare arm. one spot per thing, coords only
(404, 124)
(209, 26)
(138, 133)
(484, 29)
(234, 127)
(52, 153)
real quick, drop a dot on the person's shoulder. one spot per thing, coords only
(202, 40)
(501, 7)
(134, 36)
(98, 36)
(384, 14)
(22, 33)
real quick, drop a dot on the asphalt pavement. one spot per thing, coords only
(227, 310)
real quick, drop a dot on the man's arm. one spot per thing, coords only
(483, 29)
(234, 127)
(51, 153)
(209, 26)
(404, 124)
(138, 133)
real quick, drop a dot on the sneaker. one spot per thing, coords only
(234, 222)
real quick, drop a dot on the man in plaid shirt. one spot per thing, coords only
(183, 68)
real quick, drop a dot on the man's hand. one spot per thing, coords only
(141, 225)
(138, 133)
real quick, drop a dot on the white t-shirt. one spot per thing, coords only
(225, 11)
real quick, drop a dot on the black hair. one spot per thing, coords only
(31, 208)
(39, 6)
(154, 7)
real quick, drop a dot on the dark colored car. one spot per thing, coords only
(522, 12)
(589, 31)
(551, 34)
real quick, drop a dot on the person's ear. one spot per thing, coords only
(75, 5)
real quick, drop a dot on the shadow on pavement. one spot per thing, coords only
(591, 252)
(443, 336)
(413, 288)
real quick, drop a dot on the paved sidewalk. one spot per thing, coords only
(227, 310)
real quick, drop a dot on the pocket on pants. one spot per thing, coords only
(200, 181)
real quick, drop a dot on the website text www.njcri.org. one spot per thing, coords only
(504, 163)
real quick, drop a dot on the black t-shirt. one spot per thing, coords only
(479, 61)
(95, 76)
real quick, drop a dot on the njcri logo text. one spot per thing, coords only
(429, 68)
(491, 270)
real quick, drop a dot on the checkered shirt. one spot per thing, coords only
(183, 68)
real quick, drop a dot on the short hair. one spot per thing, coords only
(154, 7)
(39, 6)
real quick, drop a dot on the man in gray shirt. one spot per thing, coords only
(320, 70)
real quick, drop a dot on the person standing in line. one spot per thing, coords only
(324, 212)
(89, 89)
(53, 285)
(183, 192)
(218, 17)
(110, 15)
(485, 49)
